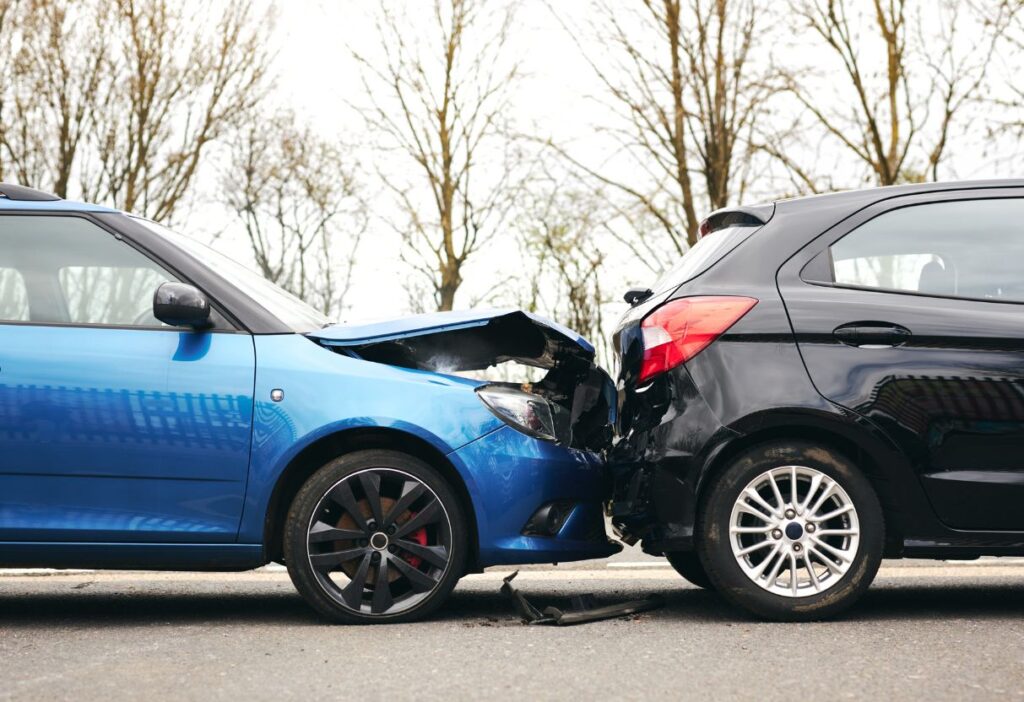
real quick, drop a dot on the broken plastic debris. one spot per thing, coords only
(583, 608)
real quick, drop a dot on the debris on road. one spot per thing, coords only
(583, 608)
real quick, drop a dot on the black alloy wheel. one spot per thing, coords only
(375, 536)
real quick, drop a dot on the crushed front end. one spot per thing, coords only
(538, 483)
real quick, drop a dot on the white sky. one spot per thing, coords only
(317, 77)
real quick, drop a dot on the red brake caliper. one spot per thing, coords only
(420, 537)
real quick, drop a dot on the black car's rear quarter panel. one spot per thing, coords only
(685, 424)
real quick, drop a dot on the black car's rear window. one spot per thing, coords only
(704, 254)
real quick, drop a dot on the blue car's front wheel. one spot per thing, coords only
(375, 536)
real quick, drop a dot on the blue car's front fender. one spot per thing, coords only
(325, 393)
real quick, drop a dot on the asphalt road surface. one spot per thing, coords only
(925, 631)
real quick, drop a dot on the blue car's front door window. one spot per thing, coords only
(113, 427)
(13, 296)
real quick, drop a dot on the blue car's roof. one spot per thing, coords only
(52, 206)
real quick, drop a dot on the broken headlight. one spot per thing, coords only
(531, 414)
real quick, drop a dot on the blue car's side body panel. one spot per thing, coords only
(508, 475)
(326, 392)
(146, 447)
(123, 435)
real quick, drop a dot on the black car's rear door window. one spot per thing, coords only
(968, 249)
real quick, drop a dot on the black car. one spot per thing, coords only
(823, 382)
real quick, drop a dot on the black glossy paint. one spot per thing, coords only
(935, 419)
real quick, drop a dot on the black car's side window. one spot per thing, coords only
(968, 248)
(68, 270)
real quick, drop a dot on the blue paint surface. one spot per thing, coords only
(135, 437)
(123, 434)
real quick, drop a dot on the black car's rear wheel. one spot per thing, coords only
(375, 536)
(688, 565)
(792, 531)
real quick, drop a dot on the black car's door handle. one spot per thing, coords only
(872, 335)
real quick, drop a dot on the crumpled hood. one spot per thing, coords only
(460, 341)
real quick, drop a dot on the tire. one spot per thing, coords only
(688, 565)
(836, 549)
(337, 536)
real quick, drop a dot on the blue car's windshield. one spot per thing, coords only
(292, 311)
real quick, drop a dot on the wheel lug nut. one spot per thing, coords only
(375, 557)
(797, 548)
(790, 514)
(392, 548)
(811, 528)
(391, 529)
(776, 533)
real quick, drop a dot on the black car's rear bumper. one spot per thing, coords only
(658, 465)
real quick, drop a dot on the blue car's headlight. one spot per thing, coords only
(528, 413)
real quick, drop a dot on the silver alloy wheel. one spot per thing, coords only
(379, 541)
(794, 531)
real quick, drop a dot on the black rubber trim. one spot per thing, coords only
(746, 215)
(236, 305)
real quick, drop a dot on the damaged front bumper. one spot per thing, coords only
(510, 476)
(537, 484)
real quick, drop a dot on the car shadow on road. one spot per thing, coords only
(140, 607)
(683, 604)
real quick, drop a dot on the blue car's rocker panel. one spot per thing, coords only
(162, 407)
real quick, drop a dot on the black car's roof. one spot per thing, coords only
(865, 196)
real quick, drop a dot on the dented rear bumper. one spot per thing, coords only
(670, 437)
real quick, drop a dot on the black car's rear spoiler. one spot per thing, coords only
(749, 215)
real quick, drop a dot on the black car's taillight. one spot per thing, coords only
(680, 329)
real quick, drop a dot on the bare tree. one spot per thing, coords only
(295, 194)
(1006, 17)
(898, 121)
(687, 91)
(560, 221)
(50, 94)
(8, 31)
(439, 99)
(176, 88)
(124, 96)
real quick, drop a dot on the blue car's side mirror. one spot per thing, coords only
(181, 305)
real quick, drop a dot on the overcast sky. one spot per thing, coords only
(318, 78)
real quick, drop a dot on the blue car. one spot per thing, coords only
(162, 407)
